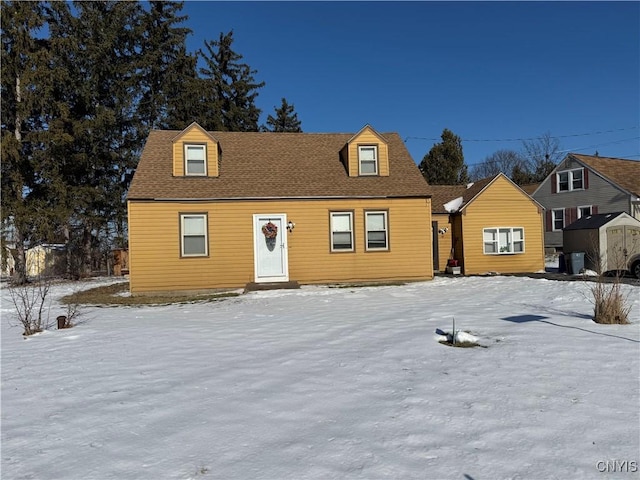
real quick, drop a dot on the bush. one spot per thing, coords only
(29, 300)
(610, 303)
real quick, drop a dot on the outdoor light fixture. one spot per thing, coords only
(290, 226)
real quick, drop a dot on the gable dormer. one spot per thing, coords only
(366, 154)
(195, 153)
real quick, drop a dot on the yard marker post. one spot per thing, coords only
(454, 331)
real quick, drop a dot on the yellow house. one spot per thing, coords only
(211, 210)
(488, 226)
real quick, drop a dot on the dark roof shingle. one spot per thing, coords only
(274, 165)
(443, 194)
(590, 222)
(624, 173)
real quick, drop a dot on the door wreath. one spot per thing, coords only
(270, 230)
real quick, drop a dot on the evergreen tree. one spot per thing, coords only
(286, 120)
(24, 64)
(169, 74)
(100, 48)
(229, 89)
(82, 85)
(522, 176)
(444, 164)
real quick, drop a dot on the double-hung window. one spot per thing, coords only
(557, 218)
(368, 160)
(503, 241)
(577, 182)
(341, 231)
(193, 235)
(195, 159)
(570, 180)
(377, 230)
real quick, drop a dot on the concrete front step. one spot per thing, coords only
(253, 286)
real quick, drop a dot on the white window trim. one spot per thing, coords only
(343, 213)
(579, 214)
(186, 159)
(502, 249)
(570, 180)
(206, 235)
(386, 230)
(376, 161)
(553, 219)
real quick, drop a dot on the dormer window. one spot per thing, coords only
(368, 159)
(195, 159)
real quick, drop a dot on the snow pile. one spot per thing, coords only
(460, 337)
(589, 273)
(453, 205)
(327, 383)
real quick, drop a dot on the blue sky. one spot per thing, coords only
(492, 72)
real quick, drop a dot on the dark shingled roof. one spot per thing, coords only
(442, 194)
(624, 173)
(530, 188)
(274, 165)
(593, 221)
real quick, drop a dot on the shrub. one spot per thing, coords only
(29, 300)
(610, 304)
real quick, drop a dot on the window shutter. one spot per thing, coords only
(554, 183)
(585, 177)
(549, 221)
(571, 214)
(594, 209)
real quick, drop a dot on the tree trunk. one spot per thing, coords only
(20, 259)
(87, 259)
(18, 133)
(69, 273)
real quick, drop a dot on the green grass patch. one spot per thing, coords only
(117, 294)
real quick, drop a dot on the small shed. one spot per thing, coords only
(610, 241)
(120, 262)
(46, 260)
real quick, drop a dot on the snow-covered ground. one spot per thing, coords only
(329, 383)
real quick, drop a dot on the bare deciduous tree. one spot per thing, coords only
(541, 156)
(504, 161)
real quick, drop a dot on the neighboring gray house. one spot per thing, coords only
(582, 185)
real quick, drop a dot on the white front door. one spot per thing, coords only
(270, 248)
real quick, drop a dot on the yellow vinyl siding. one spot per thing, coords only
(154, 244)
(501, 204)
(368, 137)
(195, 136)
